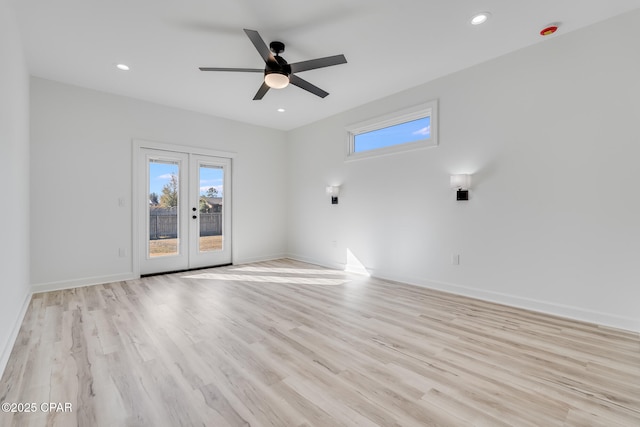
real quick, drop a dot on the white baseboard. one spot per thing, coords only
(560, 310)
(6, 351)
(77, 283)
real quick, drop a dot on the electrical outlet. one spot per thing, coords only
(122, 252)
(455, 259)
(334, 243)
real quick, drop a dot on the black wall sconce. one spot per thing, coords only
(333, 191)
(461, 183)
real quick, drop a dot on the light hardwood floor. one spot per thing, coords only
(284, 343)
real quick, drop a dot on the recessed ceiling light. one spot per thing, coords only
(122, 67)
(281, 110)
(480, 18)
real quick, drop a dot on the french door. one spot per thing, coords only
(185, 207)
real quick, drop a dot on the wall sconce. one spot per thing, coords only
(333, 191)
(462, 184)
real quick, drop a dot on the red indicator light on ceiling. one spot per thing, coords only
(549, 30)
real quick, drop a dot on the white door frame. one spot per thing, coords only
(136, 218)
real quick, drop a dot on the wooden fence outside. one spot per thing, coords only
(166, 226)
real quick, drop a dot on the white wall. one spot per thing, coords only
(550, 135)
(81, 162)
(14, 158)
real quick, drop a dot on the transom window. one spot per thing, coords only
(408, 129)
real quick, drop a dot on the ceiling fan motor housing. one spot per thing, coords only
(280, 66)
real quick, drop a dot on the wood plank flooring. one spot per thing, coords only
(285, 343)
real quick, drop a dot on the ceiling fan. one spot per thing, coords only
(277, 72)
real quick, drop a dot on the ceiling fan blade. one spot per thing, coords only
(312, 64)
(247, 70)
(261, 92)
(303, 84)
(260, 45)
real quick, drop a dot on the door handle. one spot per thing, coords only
(194, 209)
(195, 217)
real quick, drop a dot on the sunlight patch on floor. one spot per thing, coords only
(269, 279)
(287, 270)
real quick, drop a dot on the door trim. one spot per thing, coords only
(136, 146)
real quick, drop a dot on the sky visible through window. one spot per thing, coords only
(160, 174)
(414, 130)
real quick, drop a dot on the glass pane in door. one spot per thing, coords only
(163, 207)
(211, 198)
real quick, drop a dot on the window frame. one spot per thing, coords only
(428, 109)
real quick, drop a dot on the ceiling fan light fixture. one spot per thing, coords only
(276, 80)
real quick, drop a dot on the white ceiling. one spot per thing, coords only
(390, 45)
